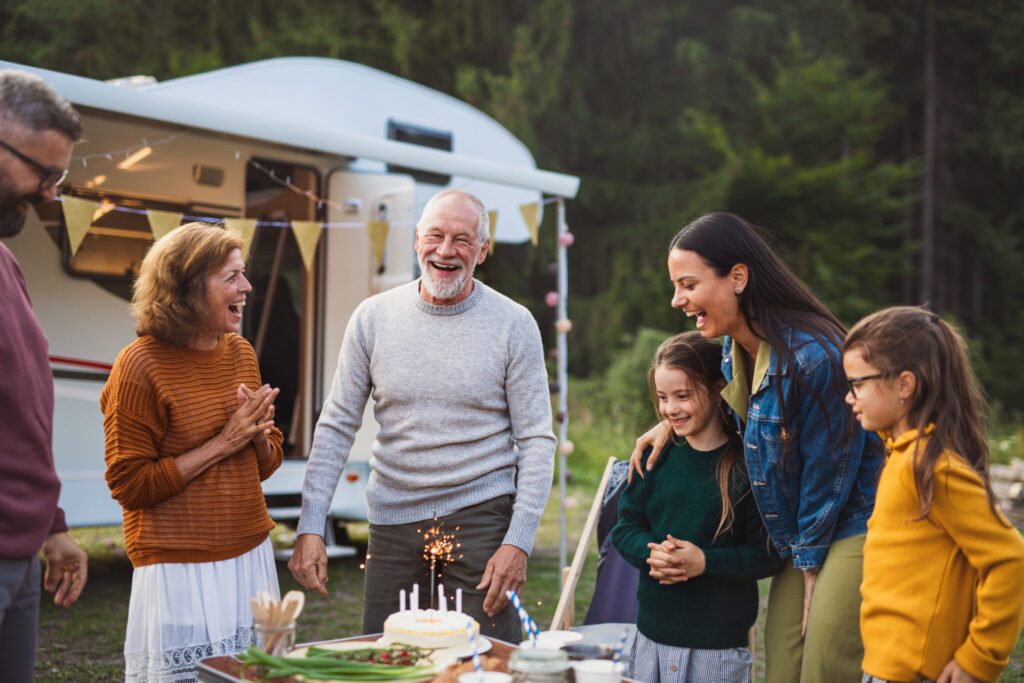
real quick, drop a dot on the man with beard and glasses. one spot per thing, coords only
(456, 371)
(37, 131)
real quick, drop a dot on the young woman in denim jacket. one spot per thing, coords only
(812, 470)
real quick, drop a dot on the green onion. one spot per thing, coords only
(323, 664)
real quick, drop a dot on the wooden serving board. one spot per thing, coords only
(228, 669)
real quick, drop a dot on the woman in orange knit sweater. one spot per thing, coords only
(189, 437)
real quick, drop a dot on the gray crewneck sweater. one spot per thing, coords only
(462, 401)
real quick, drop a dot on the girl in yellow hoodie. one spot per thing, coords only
(943, 587)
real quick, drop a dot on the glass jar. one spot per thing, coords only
(275, 640)
(538, 665)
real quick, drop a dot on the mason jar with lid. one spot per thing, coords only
(537, 665)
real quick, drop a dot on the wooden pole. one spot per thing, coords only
(569, 587)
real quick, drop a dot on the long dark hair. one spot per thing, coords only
(774, 298)
(700, 359)
(947, 395)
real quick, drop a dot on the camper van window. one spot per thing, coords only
(117, 241)
(425, 137)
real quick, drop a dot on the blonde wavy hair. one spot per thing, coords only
(169, 296)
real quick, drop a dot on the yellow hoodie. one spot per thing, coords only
(950, 585)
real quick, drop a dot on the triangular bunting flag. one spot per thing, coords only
(378, 234)
(492, 226)
(307, 234)
(529, 212)
(162, 222)
(246, 229)
(78, 215)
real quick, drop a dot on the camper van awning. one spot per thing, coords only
(87, 92)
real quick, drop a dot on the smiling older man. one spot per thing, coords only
(457, 374)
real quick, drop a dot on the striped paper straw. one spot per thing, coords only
(619, 647)
(533, 627)
(524, 618)
(474, 650)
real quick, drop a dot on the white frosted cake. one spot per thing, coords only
(429, 628)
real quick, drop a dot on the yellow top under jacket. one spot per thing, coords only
(949, 585)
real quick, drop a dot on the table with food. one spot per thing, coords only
(438, 645)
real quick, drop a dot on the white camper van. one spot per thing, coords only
(280, 140)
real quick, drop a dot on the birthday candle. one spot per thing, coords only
(401, 600)
(458, 600)
(415, 597)
(442, 604)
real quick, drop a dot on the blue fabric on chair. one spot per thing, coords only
(614, 599)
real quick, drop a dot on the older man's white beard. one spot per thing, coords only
(444, 289)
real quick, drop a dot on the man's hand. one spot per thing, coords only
(67, 568)
(505, 571)
(954, 673)
(309, 563)
(656, 436)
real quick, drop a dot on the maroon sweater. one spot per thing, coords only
(29, 487)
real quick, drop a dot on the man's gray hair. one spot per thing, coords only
(483, 220)
(27, 100)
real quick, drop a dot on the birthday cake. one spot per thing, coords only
(428, 628)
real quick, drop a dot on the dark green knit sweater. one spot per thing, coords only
(680, 497)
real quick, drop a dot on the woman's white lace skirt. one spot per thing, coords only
(182, 612)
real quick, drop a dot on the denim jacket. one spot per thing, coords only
(821, 490)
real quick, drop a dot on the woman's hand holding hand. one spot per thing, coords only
(656, 436)
(252, 419)
(244, 394)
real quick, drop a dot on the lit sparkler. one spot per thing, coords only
(439, 550)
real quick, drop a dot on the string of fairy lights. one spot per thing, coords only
(129, 156)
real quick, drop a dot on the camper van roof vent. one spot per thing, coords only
(137, 82)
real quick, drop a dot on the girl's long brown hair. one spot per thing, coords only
(948, 395)
(701, 360)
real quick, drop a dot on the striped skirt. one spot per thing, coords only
(652, 662)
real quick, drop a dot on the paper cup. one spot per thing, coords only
(597, 671)
(488, 677)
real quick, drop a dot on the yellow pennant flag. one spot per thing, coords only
(244, 228)
(162, 222)
(377, 231)
(307, 234)
(530, 212)
(492, 226)
(78, 214)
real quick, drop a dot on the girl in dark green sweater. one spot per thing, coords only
(692, 528)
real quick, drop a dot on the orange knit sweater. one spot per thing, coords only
(162, 401)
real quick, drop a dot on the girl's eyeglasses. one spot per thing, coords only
(48, 175)
(854, 381)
